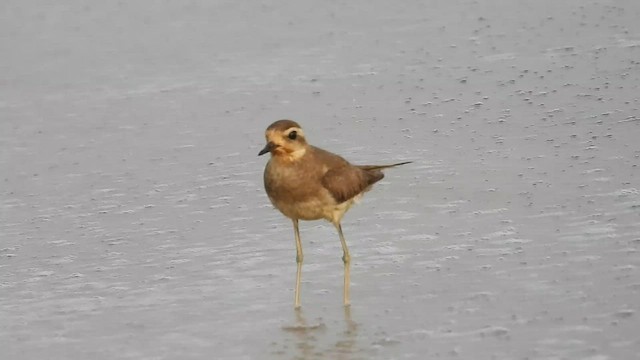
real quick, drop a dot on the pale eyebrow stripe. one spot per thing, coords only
(296, 129)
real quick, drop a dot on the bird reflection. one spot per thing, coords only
(309, 345)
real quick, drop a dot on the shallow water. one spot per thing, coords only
(134, 224)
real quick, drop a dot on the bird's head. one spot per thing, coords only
(285, 140)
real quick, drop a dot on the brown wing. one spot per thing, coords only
(346, 181)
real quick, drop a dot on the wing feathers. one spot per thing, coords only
(343, 180)
(347, 181)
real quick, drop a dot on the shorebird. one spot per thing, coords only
(308, 183)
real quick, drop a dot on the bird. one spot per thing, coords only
(305, 182)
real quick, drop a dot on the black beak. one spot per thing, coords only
(270, 146)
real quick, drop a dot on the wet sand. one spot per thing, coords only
(134, 224)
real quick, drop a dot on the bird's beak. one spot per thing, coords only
(270, 146)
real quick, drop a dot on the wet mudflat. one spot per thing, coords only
(134, 224)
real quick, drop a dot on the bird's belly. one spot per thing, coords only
(310, 209)
(314, 209)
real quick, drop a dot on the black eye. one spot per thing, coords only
(293, 135)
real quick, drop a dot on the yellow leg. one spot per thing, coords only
(346, 259)
(299, 258)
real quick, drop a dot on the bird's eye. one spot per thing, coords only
(293, 135)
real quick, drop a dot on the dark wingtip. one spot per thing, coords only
(380, 167)
(401, 163)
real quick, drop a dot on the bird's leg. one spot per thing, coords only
(299, 258)
(346, 259)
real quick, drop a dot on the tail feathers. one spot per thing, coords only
(380, 167)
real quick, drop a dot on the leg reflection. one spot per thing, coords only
(311, 341)
(352, 326)
(306, 343)
(346, 346)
